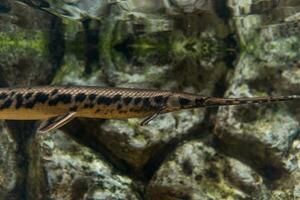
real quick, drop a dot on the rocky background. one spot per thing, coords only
(217, 48)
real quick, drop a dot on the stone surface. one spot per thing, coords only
(10, 175)
(26, 44)
(68, 170)
(188, 6)
(136, 144)
(269, 130)
(263, 136)
(197, 171)
(74, 10)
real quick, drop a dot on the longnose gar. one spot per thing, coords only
(57, 105)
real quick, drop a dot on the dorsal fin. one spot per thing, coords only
(55, 122)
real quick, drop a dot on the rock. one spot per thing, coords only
(136, 144)
(246, 179)
(26, 43)
(264, 136)
(151, 7)
(260, 135)
(288, 187)
(11, 175)
(240, 8)
(63, 169)
(178, 7)
(197, 171)
(74, 10)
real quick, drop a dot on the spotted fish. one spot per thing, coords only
(57, 105)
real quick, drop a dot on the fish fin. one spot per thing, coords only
(151, 117)
(55, 122)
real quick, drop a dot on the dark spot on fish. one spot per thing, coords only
(73, 108)
(159, 100)
(146, 103)
(28, 95)
(53, 101)
(104, 100)
(89, 105)
(137, 100)
(41, 97)
(80, 97)
(19, 99)
(53, 92)
(92, 97)
(65, 98)
(30, 104)
(184, 101)
(127, 100)
(116, 98)
(135, 110)
(200, 101)
(3, 95)
(6, 104)
(98, 110)
(119, 106)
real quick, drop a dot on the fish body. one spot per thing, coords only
(92, 102)
(59, 104)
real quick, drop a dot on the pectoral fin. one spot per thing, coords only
(55, 122)
(151, 117)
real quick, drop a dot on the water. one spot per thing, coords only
(213, 48)
(111, 38)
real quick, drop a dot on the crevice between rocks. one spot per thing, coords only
(81, 134)
(56, 46)
(78, 130)
(21, 132)
(271, 171)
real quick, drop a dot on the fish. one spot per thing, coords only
(55, 106)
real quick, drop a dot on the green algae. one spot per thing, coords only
(147, 45)
(74, 37)
(23, 42)
(194, 47)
